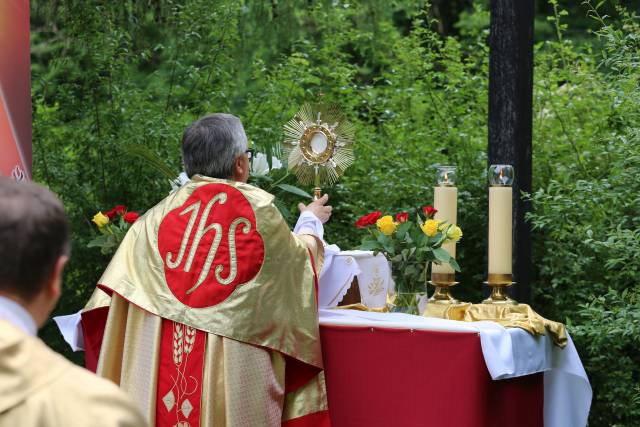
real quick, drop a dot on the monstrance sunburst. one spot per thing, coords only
(318, 143)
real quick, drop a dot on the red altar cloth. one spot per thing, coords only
(398, 377)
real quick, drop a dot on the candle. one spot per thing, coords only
(500, 221)
(445, 200)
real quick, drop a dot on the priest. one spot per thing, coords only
(207, 313)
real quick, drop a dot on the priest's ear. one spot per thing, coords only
(44, 301)
(53, 287)
(241, 168)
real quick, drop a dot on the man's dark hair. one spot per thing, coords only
(34, 233)
(211, 144)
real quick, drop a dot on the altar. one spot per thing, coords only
(387, 369)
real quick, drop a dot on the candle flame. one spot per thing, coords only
(446, 177)
(500, 175)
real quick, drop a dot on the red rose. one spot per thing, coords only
(131, 217)
(117, 210)
(368, 219)
(429, 211)
(402, 217)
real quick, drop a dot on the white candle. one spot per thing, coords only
(445, 200)
(500, 229)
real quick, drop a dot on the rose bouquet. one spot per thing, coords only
(112, 226)
(410, 246)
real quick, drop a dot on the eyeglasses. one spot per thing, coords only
(250, 153)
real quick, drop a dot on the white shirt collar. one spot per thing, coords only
(17, 315)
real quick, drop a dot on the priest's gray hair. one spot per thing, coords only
(211, 144)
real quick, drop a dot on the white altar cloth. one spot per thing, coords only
(339, 270)
(508, 353)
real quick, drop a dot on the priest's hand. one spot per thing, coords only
(318, 208)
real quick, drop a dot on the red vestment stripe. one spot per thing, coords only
(180, 372)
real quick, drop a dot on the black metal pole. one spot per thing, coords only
(510, 117)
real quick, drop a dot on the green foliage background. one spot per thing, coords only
(412, 76)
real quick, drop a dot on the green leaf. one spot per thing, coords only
(110, 242)
(370, 245)
(416, 234)
(387, 243)
(151, 158)
(402, 230)
(454, 264)
(411, 270)
(441, 255)
(98, 242)
(294, 190)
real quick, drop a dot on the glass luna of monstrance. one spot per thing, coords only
(318, 143)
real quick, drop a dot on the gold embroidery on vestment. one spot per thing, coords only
(233, 261)
(194, 209)
(201, 231)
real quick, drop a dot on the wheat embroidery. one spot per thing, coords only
(177, 399)
(190, 339)
(178, 339)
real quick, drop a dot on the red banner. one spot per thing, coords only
(15, 90)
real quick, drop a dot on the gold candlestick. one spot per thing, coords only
(498, 284)
(500, 234)
(442, 293)
(445, 201)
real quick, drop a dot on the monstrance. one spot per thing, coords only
(318, 143)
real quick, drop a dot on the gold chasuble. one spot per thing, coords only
(212, 316)
(39, 387)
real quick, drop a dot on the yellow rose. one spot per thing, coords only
(430, 227)
(442, 224)
(386, 225)
(454, 233)
(100, 219)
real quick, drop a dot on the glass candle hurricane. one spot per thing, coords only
(446, 176)
(501, 175)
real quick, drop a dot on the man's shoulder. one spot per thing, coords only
(44, 381)
(80, 398)
(101, 401)
(257, 196)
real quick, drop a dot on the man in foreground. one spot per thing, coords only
(212, 316)
(37, 386)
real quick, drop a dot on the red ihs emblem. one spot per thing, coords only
(210, 245)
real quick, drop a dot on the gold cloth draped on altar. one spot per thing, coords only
(507, 315)
(246, 340)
